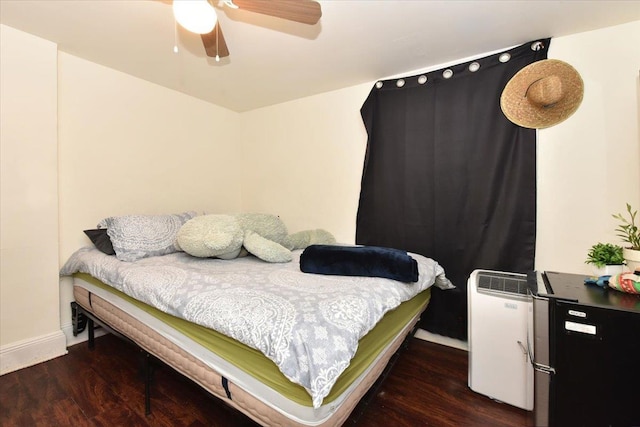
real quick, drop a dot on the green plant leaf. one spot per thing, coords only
(602, 254)
(627, 229)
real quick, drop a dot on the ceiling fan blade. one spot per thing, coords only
(214, 43)
(304, 11)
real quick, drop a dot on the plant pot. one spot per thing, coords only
(608, 270)
(632, 256)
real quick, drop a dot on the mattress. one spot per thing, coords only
(309, 325)
(255, 385)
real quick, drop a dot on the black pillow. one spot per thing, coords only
(101, 240)
(371, 261)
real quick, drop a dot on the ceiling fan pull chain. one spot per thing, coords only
(217, 38)
(175, 36)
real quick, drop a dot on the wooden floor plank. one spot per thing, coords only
(104, 387)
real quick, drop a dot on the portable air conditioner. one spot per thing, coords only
(500, 307)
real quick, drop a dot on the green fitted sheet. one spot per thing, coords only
(260, 367)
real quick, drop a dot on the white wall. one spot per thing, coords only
(589, 165)
(81, 142)
(128, 146)
(28, 201)
(306, 159)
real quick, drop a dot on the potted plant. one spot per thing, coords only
(629, 233)
(607, 258)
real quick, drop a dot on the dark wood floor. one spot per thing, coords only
(427, 387)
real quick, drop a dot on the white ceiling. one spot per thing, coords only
(274, 61)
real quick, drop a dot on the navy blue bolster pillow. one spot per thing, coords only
(369, 261)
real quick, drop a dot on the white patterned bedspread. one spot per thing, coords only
(308, 324)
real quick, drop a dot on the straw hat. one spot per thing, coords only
(542, 94)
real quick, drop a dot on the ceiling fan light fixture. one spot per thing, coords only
(197, 16)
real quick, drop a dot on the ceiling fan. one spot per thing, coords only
(303, 11)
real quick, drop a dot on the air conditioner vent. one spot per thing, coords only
(503, 283)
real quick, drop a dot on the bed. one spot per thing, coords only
(282, 346)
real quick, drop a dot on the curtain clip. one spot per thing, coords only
(536, 46)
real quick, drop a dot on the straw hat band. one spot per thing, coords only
(545, 92)
(542, 94)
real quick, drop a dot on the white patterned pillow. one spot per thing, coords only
(140, 236)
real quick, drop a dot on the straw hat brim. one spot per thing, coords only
(520, 111)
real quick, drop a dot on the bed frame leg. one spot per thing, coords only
(91, 326)
(147, 383)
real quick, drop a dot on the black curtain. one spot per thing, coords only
(446, 175)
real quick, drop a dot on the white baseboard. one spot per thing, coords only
(30, 352)
(440, 339)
